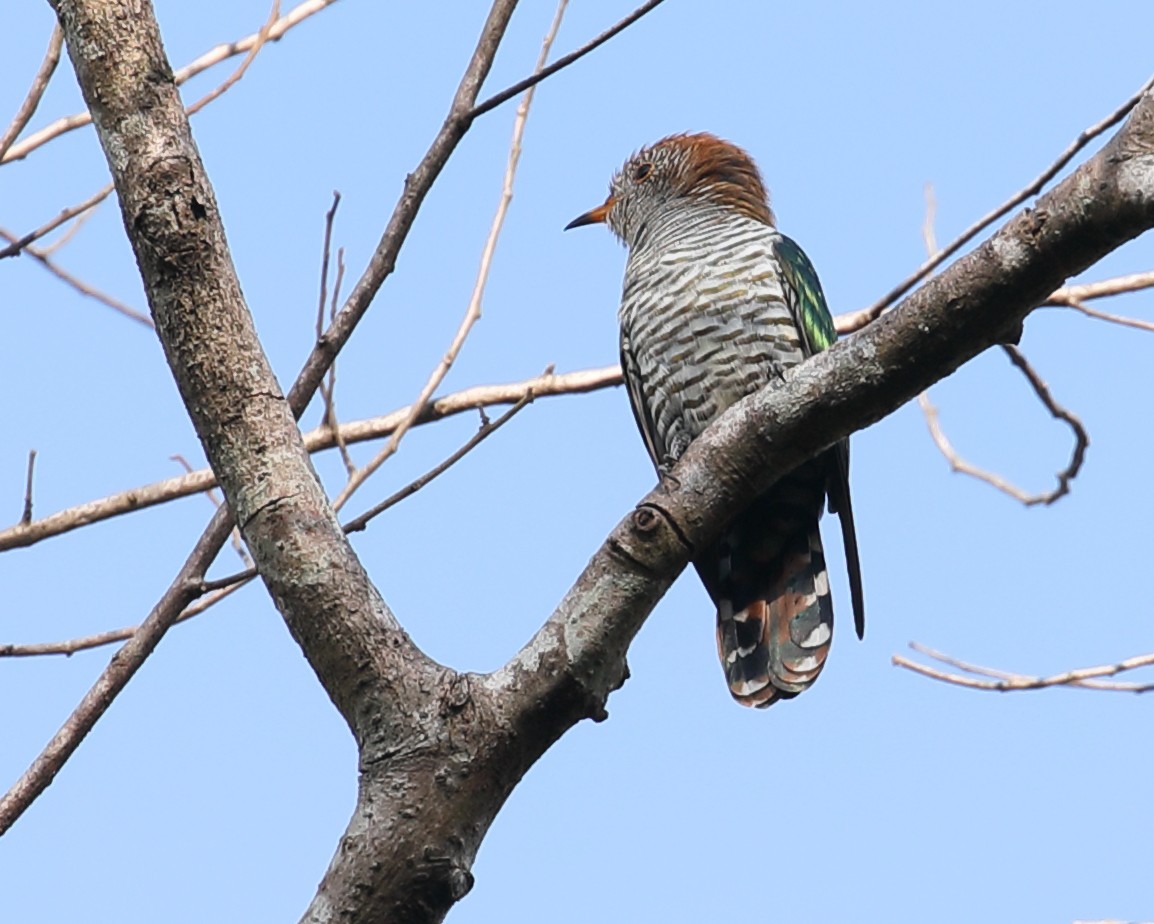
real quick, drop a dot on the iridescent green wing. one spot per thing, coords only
(804, 297)
(811, 314)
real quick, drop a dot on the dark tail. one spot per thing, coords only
(767, 576)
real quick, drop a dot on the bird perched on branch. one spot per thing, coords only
(716, 304)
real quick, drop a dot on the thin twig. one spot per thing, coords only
(213, 56)
(26, 516)
(218, 588)
(487, 429)
(261, 38)
(328, 389)
(35, 92)
(188, 582)
(216, 501)
(322, 438)
(1065, 476)
(331, 420)
(865, 315)
(1081, 437)
(1005, 681)
(1106, 316)
(929, 236)
(473, 311)
(73, 211)
(212, 596)
(115, 676)
(82, 208)
(79, 285)
(74, 226)
(460, 118)
(538, 75)
(1088, 291)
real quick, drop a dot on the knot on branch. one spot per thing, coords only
(649, 538)
(446, 871)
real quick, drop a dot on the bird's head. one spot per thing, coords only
(678, 173)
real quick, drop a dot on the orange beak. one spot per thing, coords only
(593, 216)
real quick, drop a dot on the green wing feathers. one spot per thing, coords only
(811, 314)
(805, 298)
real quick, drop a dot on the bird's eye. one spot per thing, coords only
(641, 171)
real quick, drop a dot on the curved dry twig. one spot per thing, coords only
(219, 588)
(84, 208)
(79, 285)
(213, 56)
(262, 36)
(473, 310)
(186, 584)
(26, 515)
(35, 92)
(1076, 296)
(73, 211)
(563, 62)
(159, 492)
(1006, 681)
(1065, 476)
(487, 429)
(213, 593)
(860, 318)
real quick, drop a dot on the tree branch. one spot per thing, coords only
(1064, 477)
(35, 92)
(322, 438)
(1088, 678)
(577, 657)
(213, 56)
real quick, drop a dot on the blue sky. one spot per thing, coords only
(218, 784)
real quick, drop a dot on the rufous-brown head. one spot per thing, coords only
(679, 172)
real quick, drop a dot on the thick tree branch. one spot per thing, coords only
(440, 751)
(578, 655)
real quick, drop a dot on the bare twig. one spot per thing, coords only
(929, 237)
(73, 211)
(328, 389)
(329, 392)
(462, 112)
(1076, 296)
(222, 52)
(1065, 476)
(26, 516)
(212, 596)
(473, 311)
(865, 315)
(542, 73)
(115, 676)
(261, 37)
(487, 429)
(217, 589)
(79, 285)
(1005, 681)
(80, 220)
(159, 492)
(35, 92)
(1088, 291)
(187, 583)
(1111, 318)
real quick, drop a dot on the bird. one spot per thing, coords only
(717, 303)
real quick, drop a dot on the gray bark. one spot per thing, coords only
(440, 751)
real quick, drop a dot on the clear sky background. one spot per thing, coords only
(217, 786)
